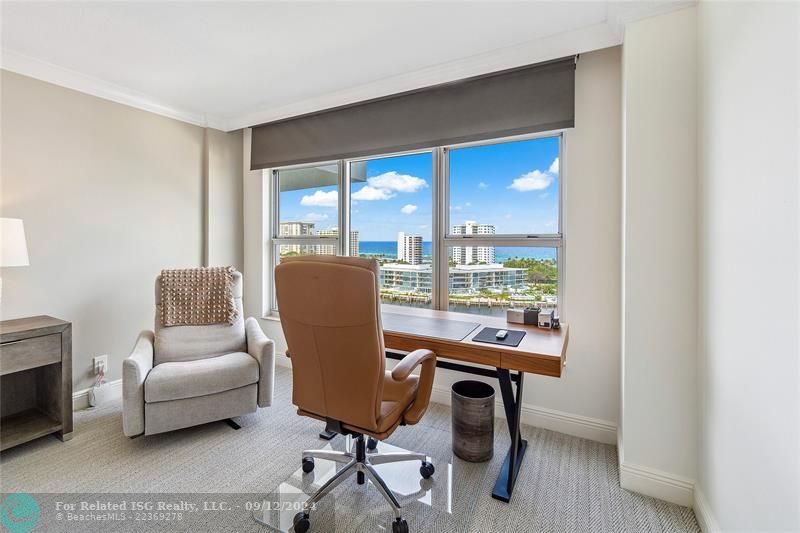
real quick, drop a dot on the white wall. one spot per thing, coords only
(224, 199)
(109, 196)
(585, 401)
(658, 437)
(749, 454)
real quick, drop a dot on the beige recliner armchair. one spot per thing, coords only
(182, 376)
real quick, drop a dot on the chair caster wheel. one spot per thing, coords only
(426, 470)
(399, 526)
(302, 523)
(372, 444)
(308, 464)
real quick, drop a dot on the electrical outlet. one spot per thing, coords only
(100, 363)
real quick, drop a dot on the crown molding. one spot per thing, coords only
(620, 14)
(42, 70)
(595, 37)
(564, 44)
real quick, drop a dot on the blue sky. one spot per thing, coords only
(511, 185)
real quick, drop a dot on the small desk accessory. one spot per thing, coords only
(546, 319)
(489, 335)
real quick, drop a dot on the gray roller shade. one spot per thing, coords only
(528, 99)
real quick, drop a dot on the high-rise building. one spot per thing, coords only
(296, 229)
(409, 248)
(331, 249)
(467, 255)
(354, 250)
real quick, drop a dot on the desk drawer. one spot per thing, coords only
(29, 353)
(460, 351)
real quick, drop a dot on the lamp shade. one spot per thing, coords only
(13, 250)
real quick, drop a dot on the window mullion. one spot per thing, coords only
(344, 208)
(440, 209)
(275, 201)
(495, 240)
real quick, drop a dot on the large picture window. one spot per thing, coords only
(471, 228)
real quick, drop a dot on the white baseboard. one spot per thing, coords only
(542, 417)
(655, 483)
(80, 399)
(571, 424)
(702, 510)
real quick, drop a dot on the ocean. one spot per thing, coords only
(388, 249)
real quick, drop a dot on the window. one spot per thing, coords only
(503, 197)
(306, 212)
(391, 203)
(473, 228)
(508, 188)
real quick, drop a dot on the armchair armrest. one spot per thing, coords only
(403, 370)
(262, 350)
(134, 372)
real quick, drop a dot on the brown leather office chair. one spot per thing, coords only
(331, 316)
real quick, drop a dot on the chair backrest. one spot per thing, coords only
(330, 313)
(187, 343)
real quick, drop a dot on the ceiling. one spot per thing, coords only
(234, 64)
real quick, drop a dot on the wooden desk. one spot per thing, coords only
(540, 352)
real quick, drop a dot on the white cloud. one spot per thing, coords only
(468, 204)
(508, 216)
(320, 199)
(386, 185)
(315, 217)
(554, 166)
(397, 182)
(483, 185)
(535, 180)
(408, 209)
(368, 192)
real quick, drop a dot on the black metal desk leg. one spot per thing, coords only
(512, 404)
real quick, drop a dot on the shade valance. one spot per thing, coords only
(528, 99)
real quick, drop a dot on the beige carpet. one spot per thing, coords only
(566, 484)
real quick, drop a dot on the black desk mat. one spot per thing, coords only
(452, 330)
(513, 338)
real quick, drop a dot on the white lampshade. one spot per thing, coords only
(13, 250)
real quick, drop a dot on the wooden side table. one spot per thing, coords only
(36, 374)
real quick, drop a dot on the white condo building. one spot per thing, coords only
(409, 248)
(296, 229)
(468, 255)
(331, 249)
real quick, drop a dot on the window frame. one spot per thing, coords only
(276, 240)
(445, 239)
(441, 236)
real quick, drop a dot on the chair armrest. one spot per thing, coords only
(403, 370)
(134, 372)
(411, 361)
(262, 349)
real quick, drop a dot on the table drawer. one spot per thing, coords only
(21, 355)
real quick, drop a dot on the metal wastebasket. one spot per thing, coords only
(473, 420)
